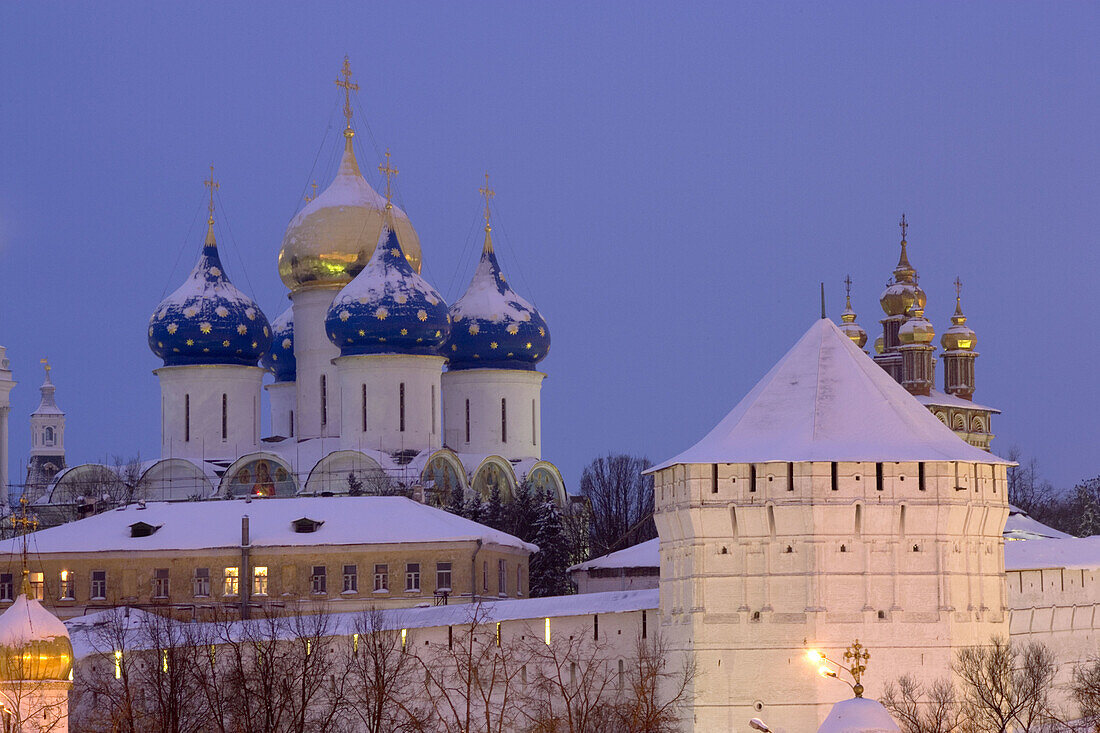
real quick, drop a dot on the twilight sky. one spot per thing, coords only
(673, 180)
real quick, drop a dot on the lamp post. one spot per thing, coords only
(855, 658)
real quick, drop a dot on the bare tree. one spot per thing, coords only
(920, 708)
(1006, 688)
(620, 499)
(107, 695)
(382, 678)
(572, 687)
(311, 676)
(658, 691)
(1085, 689)
(165, 676)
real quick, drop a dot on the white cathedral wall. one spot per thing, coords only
(755, 572)
(283, 397)
(371, 388)
(484, 389)
(43, 706)
(192, 410)
(39, 444)
(313, 354)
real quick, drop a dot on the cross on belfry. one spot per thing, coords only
(310, 197)
(348, 86)
(213, 186)
(848, 285)
(388, 171)
(488, 193)
(904, 227)
(45, 362)
(958, 288)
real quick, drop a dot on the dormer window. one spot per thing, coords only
(143, 529)
(306, 525)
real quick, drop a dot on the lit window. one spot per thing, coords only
(232, 577)
(412, 577)
(38, 586)
(67, 586)
(351, 579)
(118, 664)
(160, 583)
(319, 580)
(99, 585)
(381, 578)
(546, 634)
(200, 583)
(6, 587)
(443, 576)
(259, 581)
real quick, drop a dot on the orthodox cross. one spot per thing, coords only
(488, 193)
(958, 288)
(310, 197)
(848, 287)
(25, 524)
(348, 86)
(904, 227)
(857, 656)
(46, 365)
(213, 186)
(388, 171)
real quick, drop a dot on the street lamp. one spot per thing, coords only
(758, 724)
(855, 658)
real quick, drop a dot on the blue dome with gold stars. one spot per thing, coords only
(279, 359)
(207, 320)
(388, 308)
(493, 327)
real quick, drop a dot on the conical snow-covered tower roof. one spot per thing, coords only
(47, 405)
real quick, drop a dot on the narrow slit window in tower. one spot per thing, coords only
(433, 409)
(714, 478)
(534, 425)
(878, 477)
(790, 477)
(920, 476)
(859, 521)
(187, 418)
(771, 521)
(503, 420)
(401, 407)
(363, 400)
(467, 421)
(752, 477)
(835, 478)
(291, 423)
(225, 416)
(324, 400)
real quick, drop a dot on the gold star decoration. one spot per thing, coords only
(225, 343)
(265, 330)
(251, 313)
(344, 315)
(474, 329)
(242, 329)
(493, 345)
(513, 329)
(528, 345)
(401, 298)
(190, 342)
(394, 251)
(542, 331)
(404, 332)
(287, 343)
(454, 347)
(222, 311)
(215, 271)
(205, 327)
(362, 332)
(380, 313)
(422, 315)
(172, 328)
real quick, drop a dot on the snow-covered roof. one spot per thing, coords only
(859, 715)
(197, 525)
(642, 555)
(936, 397)
(828, 401)
(1077, 553)
(1022, 526)
(25, 621)
(82, 628)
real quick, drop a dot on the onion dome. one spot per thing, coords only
(388, 308)
(279, 359)
(880, 345)
(848, 325)
(34, 644)
(903, 293)
(332, 238)
(917, 330)
(207, 320)
(958, 337)
(492, 326)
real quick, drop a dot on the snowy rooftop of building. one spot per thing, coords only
(1022, 526)
(1076, 553)
(82, 629)
(936, 397)
(209, 524)
(642, 555)
(826, 400)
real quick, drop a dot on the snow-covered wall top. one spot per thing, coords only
(642, 555)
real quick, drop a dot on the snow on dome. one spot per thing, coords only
(207, 320)
(388, 308)
(826, 400)
(859, 715)
(332, 238)
(279, 359)
(34, 644)
(493, 326)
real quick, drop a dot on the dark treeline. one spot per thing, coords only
(1075, 511)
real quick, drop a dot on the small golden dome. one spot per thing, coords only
(34, 644)
(903, 294)
(333, 237)
(959, 336)
(880, 345)
(917, 330)
(848, 325)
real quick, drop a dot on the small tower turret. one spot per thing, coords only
(47, 440)
(6, 386)
(897, 300)
(958, 344)
(848, 325)
(918, 374)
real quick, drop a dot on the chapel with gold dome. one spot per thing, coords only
(906, 351)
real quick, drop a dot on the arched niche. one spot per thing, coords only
(347, 472)
(174, 479)
(959, 423)
(546, 476)
(977, 425)
(496, 472)
(258, 474)
(442, 474)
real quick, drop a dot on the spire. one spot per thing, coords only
(348, 86)
(25, 524)
(848, 324)
(389, 172)
(213, 185)
(904, 272)
(488, 193)
(958, 318)
(48, 404)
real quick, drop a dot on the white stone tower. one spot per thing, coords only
(326, 244)
(210, 336)
(6, 386)
(829, 505)
(47, 440)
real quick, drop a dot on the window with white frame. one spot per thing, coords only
(232, 578)
(443, 577)
(68, 586)
(259, 580)
(351, 579)
(318, 582)
(200, 583)
(160, 583)
(412, 577)
(99, 585)
(381, 578)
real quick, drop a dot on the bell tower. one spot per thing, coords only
(6, 386)
(47, 440)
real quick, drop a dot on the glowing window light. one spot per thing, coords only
(546, 635)
(355, 643)
(404, 638)
(163, 660)
(118, 664)
(498, 634)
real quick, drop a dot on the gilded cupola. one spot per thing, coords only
(959, 336)
(916, 330)
(207, 320)
(332, 238)
(492, 326)
(903, 294)
(848, 325)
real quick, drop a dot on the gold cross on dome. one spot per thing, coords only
(311, 196)
(348, 86)
(958, 288)
(45, 362)
(848, 286)
(488, 193)
(388, 171)
(213, 186)
(904, 227)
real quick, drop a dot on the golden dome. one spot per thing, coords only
(902, 295)
(880, 345)
(34, 644)
(332, 238)
(917, 330)
(848, 325)
(959, 337)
